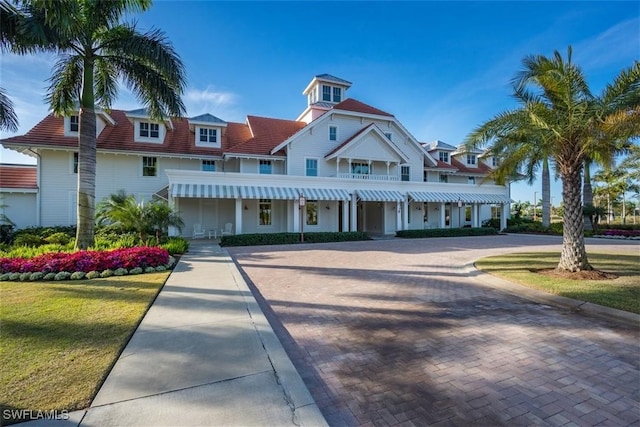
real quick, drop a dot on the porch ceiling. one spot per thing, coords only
(421, 196)
(380, 195)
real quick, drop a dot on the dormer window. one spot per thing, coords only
(331, 93)
(209, 135)
(444, 156)
(333, 133)
(149, 130)
(471, 159)
(74, 123)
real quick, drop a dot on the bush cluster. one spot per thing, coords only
(86, 264)
(447, 232)
(291, 238)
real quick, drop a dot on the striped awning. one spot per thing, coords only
(380, 195)
(421, 196)
(274, 193)
(325, 193)
(210, 191)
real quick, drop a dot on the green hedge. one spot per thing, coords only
(290, 238)
(446, 232)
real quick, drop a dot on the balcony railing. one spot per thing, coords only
(368, 177)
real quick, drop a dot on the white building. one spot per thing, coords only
(356, 166)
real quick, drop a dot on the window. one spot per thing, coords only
(149, 130)
(75, 162)
(208, 135)
(494, 162)
(496, 212)
(264, 212)
(312, 212)
(444, 178)
(312, 167)
(444, 156)
(360, 168)
(471, 159)
(265, 167)
(467, 213)
(404, 173)
(337, 94)
(209, 165)
(326, 93)
(74, 123)
(333, 133)
(424, 176)
(388, 135)
(471, 180)
(149, 166)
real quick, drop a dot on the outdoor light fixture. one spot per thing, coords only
(246, 208)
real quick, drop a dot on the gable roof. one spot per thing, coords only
(439, 145)
(18, 176)
(329, 78)
(207, 118)
(482, 168)
(371, 127)
(266, 133)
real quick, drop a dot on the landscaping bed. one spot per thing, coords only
(258, 239)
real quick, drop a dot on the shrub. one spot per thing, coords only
(136, 270)
(150, 270)
(4, 277)
(49, 276)
(25, 277)
(59, 238)
(106, 273)
(6, 233)
(77, 275)
(176, 245)
(120, 271)
(161, 268)
(14, 276)
(291, 238)
(493, 223)
(93, 274)
(36, 276)
(63, 275)
(447, 232)
(26, 239)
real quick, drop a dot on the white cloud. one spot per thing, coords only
(219, 103)
(611, 46)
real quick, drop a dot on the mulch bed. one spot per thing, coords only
(578, 275)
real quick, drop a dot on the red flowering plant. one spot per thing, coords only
(622, 233)
(87, 261)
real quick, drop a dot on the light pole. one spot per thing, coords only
(535, 200)
(459, 213)
(302, 202)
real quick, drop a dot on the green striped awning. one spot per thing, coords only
(380, 195)
(439, 197)
(324, 193)
(274, 193)
(210, 191)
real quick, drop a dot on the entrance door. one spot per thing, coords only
(340, 208)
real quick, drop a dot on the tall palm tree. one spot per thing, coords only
(95, 51)
(9, 35)
(558, 111)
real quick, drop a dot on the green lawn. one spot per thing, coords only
(622, 293)
(59, 340)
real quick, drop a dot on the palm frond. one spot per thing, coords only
(63, 93)
(8, 117)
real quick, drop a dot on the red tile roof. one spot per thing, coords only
(482, 169)
(267, 134)
(18, 176)
(356, 106)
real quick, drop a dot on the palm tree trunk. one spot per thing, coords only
(86, 163)
(587, 194)
(546, 194)
(574, 256)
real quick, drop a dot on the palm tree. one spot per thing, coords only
(559, 113)
(9, 22)
(96, 50)
(125, 211)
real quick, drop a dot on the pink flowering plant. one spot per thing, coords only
(620, 233)
(87, 261)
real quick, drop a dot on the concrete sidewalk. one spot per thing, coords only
(203, 355)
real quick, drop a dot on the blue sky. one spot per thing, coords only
(442, 68)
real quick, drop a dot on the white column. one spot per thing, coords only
(296, 215)
(238, 224)
(398, 217)
(442, 216)
(354, 209)
(475, 220)
(503, 217)
(337, 166)
(405, 214)
(345, 216)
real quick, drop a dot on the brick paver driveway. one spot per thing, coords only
(396, 332)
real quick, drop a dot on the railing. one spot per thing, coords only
(368, 177)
